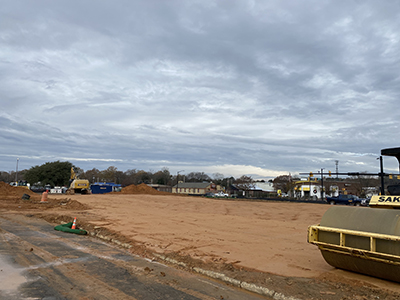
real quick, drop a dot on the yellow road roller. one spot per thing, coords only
(365, 240)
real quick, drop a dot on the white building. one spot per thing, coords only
(311, 189)
(265, 186)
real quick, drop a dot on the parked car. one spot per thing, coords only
(38, 189)
(221, 194)
(345, 199)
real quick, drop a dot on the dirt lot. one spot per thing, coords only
(264, 243)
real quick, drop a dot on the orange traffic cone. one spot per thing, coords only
(44, 197)
(74, 224)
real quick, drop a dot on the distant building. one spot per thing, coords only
(256, 190)
(265, 186)
(195, 188)
(311, 189)
(161, 187)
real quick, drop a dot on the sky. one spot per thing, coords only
(236, 87)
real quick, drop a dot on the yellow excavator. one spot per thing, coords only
(365, 240)
(77, 185)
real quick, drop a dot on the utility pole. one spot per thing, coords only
(16, 172)
(381, 175)
(337, 168)
(322, 183)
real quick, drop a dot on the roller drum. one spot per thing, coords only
(368, 220)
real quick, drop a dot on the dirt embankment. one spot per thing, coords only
(11, 198)
(11, 192)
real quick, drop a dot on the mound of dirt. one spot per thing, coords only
(76, 205)
(142, 189)
(8, 191)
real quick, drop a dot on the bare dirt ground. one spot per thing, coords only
(264, 243)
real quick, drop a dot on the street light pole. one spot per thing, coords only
(16, 172)
(177, 180)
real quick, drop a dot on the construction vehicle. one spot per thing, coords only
(77, 185)
(21, 183)
(365, 240)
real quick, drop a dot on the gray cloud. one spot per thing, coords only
(269, 87)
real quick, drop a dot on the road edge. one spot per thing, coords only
(215, 275)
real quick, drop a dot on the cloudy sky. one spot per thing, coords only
(261, 88)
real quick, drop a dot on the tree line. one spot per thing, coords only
(58, 174)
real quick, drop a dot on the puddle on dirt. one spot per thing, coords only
(10, 277)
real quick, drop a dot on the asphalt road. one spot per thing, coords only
(37, 262)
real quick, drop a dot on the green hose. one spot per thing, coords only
(67, 228)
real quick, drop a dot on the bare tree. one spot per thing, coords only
(245, 182)
(362, 183)
(162, 177)
(217, 178)
(197, 177)
(285, 183)
(109, 174)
